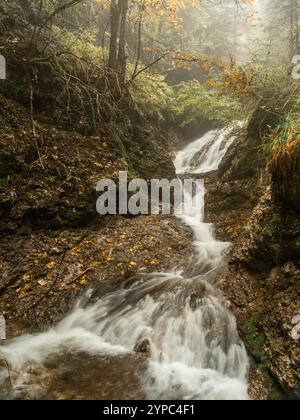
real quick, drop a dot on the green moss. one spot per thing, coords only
(255, 340)
(272, 225)
(275, 392)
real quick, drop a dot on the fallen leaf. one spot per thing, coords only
(132, 264)
(50, 265)
(42, 282)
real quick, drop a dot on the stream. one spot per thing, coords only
(185, 339)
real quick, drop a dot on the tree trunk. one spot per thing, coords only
(139, 45)
(115, 13)
(122, 58)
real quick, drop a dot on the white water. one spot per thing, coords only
(205, 154)
(196, 352)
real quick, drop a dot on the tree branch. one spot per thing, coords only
(134, 76)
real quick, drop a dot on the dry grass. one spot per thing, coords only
(283, 151)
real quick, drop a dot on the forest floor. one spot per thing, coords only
(54, 246)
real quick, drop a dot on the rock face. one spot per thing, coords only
(262, 282)
(235, 189)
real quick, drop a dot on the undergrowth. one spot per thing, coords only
(192, 101)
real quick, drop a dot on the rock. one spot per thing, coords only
(290, 269)
(5, 381)
(3, 363)
(194, 299)
(143, 346)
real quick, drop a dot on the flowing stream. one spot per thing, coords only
(179, 318)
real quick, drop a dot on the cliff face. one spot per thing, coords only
(262, 283)
(263, 286)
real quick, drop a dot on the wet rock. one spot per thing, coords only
(3, 363)
(197, 296)
(5, 381)
(290, 269)
(194, 301)
(263, 284)
(143, 346)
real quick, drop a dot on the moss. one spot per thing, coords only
(255, 340)
(272, 225)
(275, 392)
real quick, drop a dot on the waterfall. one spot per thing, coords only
(195, 350)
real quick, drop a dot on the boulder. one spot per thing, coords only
(143, 346)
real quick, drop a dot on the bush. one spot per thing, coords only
(192, 101)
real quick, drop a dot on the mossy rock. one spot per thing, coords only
(275, 391)
(255, 340)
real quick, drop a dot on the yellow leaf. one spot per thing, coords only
(132, 264)
(50, 265)
(42, 282)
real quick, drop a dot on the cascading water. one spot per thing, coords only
(195, 350)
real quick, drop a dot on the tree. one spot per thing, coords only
(115, 14)
(121, 65)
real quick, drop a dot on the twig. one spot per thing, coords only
(79, 276)
(33, 127)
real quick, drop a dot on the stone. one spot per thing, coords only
(143, 346)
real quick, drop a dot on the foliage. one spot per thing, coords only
(283, 151)
(192, 101)
(151, 97)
